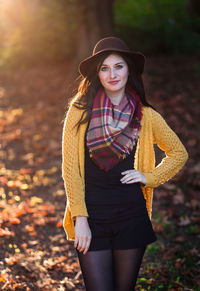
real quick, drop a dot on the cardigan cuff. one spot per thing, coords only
(78, 210)
(150, 180)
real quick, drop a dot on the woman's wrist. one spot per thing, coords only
(81, 218)
(144, 180)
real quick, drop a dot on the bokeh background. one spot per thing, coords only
(41, 44)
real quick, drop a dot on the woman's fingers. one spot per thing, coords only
(132, 176)
(76, 242)
(80, 242)
(83, 244)
(129, 177)
(83, 235)
(129, 172)
(133, 181)
(87, 246)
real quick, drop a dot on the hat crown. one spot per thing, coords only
(115, 44)
(111, 43)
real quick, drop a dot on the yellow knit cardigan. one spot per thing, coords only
(154, 130)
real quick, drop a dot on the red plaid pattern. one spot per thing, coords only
(113, 129)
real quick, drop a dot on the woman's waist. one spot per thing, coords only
(114, 182)
(108, 213)
(114, 196)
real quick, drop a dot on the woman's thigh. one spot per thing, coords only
(126, 265)
(111, 270)
(97, 270)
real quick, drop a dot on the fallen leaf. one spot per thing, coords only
(184, 220)
(15, 220)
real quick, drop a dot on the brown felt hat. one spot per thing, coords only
(111, 44)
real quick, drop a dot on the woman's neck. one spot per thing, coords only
(115, 97)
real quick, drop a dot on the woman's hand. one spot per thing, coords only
(132, 176)
(82, 234)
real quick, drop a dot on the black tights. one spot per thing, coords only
(111, 270)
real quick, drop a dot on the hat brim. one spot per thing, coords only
(138, 58)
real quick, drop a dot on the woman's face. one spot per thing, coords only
(113, 73)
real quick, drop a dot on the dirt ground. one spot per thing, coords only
(35, 254)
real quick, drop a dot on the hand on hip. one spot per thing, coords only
(132, 176)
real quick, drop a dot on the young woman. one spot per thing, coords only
(109, 166)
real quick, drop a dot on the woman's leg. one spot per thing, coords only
(126, 267)
(97, 270)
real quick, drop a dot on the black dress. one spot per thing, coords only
(109, 202)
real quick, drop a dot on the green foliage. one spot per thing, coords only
(45, 31)
(153, 249)
(157, 25)
(37, 31)
(191, 229)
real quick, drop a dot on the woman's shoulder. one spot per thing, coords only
(150, 112)
(72, 115)
(73, 109)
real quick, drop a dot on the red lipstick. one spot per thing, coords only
(113, 82)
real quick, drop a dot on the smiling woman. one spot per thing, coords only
(109, 166)
(113, 76)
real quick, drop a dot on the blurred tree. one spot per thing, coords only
(37, 31)
(159, 25)
(51, 31)
(193, 8)
(95, 20)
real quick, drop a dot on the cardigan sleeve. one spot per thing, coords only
(175, 152)
(70, 166)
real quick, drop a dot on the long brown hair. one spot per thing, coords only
(89, 86)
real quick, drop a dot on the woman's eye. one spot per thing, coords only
(103, 69)
(119, 66)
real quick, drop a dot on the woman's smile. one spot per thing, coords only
(113, 82)
(113, 75)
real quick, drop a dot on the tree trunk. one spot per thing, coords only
(95, 21)
(193, 8)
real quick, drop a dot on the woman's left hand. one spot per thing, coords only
(132, 176)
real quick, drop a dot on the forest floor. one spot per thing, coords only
(34, 252)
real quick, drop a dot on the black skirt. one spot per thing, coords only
(115, 209)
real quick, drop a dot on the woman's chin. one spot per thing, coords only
(113, 89)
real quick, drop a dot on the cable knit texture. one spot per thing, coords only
(154, 130)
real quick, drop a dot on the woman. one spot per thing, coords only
(109, 166)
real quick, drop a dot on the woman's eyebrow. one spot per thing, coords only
(115, 64)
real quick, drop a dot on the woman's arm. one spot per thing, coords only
(176, 154)
(74, 185)
(70, 166)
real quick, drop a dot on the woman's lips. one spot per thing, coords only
(113, 82)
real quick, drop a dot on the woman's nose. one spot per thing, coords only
(112, 73)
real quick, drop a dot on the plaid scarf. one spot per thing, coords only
(113, 132)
